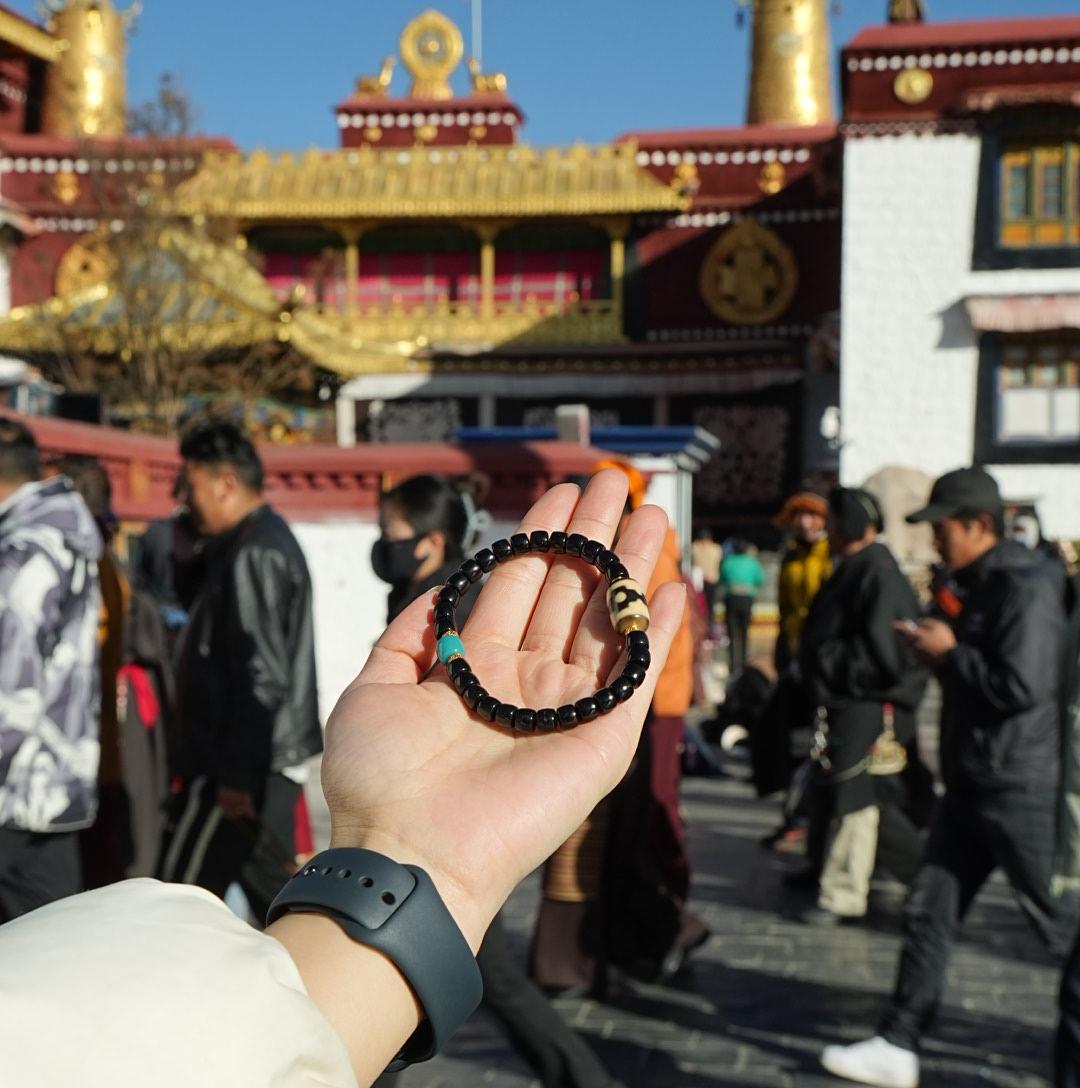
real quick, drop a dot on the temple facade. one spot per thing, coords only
(797, 285)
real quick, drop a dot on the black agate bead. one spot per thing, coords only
(546, 720)
(567, 715)
(539, 540)
(525, 720)
(502, 549)
(485, 560)
(587, 709)
(519, 543)
(458, 581)
(472, 570)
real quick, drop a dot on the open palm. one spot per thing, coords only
(409, 771)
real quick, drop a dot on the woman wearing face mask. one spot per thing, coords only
(427, 525)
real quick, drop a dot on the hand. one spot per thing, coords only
(930, 639)
(411, 773)
(236, 804)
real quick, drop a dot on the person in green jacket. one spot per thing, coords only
(741, 577)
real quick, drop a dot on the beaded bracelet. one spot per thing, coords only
(629, 616)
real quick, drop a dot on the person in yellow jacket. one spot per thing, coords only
(805, 565)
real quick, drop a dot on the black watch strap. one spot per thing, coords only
(397, 910)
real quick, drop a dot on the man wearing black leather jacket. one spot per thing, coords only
(998, 664)
(246, 680)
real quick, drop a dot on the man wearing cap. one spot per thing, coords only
(997, 660)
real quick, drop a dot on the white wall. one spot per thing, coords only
(349, 601)
(909, 357)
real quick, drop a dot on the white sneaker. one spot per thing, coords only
(873, 1061)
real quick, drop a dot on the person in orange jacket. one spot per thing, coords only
(615, 893)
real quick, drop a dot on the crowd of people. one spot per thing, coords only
(158, 717)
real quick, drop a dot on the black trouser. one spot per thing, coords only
(971, 836)
(36, 868)
(559, 1056)
(737, 611)
(556, 1053)
(203, 847)
(899, 843)
(1067, 1043)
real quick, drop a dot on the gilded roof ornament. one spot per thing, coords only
(442, 183)
(376, 86)
(431, 48)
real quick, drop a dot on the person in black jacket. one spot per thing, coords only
(998, 664)
(246, 688)
(426, 523)
(866, 683)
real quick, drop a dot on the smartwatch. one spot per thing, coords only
(395, 909)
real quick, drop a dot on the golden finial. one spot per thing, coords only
(906, 11)
(790, 78)
(84, 86)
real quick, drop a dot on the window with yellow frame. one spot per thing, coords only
(1040, 195)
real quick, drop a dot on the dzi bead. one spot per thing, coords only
(627, 606)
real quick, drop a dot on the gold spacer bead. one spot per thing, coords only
(633, 623)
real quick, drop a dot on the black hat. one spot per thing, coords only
(855, 511)
(963, 491)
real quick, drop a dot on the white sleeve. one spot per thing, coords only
(143, 983)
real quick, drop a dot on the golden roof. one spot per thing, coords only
(191, 295)
(471, 181)
(31, 39)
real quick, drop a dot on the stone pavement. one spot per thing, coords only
(766, 993)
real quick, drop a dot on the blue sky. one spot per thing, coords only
(266, 72)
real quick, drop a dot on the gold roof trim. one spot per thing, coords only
(217, 301)
(434, 183)
(27, 37)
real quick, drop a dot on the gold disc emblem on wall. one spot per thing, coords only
(85, 264)
(431, 48)
(913, 85)
(749, 276)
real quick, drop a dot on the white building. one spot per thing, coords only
(960, 315)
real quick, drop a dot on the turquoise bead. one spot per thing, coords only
(449, 646)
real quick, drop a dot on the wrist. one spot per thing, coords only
(471, 912)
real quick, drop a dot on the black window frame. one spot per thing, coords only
(1044, 125)
(988, 449)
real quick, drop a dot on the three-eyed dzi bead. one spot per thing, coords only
(449, 646)
(627, 606)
